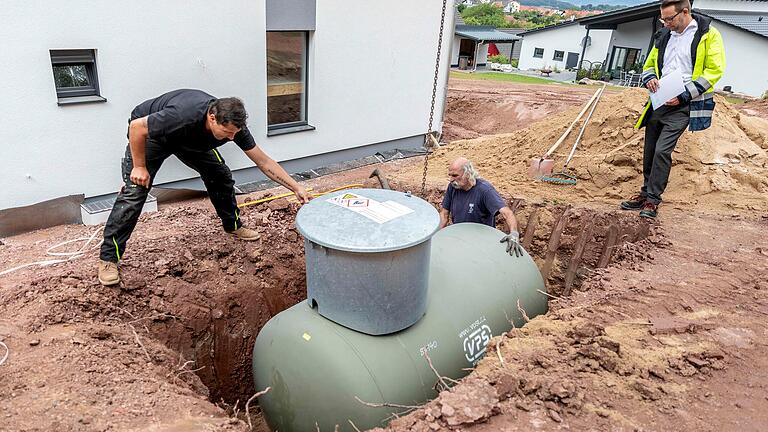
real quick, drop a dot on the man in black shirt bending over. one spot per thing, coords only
(189, 124)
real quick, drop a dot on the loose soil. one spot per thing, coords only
(477, 108)
(722, 169)
(670, 336)
(757, 108)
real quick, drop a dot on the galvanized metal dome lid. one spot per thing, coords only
(367, 220)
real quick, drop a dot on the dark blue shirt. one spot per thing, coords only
(479, 204)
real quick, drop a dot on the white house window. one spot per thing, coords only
(75, 77)
(559, 56)
(538, 52)
(287, 81)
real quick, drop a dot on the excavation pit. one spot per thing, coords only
(197, 303)
(233, 328)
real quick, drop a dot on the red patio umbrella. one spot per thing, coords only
(492, 50)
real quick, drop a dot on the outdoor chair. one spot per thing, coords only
(622, 79)
(506, 68)
(633, 79)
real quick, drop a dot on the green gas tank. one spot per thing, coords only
(320, 371)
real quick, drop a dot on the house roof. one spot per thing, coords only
(551, 27)
(755, 22)
(484, 33)
(459, 20)
(610, 20)
(514, 31)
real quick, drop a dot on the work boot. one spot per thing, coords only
(108, 273)
(246, 234)
(634, 203)
(649, 210)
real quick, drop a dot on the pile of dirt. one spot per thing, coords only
(477, 108)
(522, 373)
(179, 328)
(757, 108)
(657, 346)
(722, 168)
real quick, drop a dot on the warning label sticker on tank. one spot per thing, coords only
(376, 211)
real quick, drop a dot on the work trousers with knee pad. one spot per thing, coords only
(130, 200)
(663, 129)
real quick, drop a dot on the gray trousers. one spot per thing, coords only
(662, 131)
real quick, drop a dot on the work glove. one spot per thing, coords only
(513, 244)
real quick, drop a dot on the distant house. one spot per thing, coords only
(621, 40)
(574, 14)
(541, 9)
(510, 49)
(562, 46)
(512, 7)
(744, 26)
(470, 45)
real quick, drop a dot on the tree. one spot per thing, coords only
(484, 14)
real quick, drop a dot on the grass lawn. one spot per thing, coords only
(502, 76)
(735, 100)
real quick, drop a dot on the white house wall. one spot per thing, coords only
(367, 83)
(455, 50)
(567, 39)
(745, 61)
(482, 54)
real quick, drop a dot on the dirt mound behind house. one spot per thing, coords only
(724, 167)
(758, 108)
(477, 108)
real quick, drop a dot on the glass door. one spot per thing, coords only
(623, 59)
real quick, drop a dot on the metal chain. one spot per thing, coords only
(427, 141)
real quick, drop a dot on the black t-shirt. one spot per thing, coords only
(177, 119)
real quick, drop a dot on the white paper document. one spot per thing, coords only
(376, 211)
(670, 85)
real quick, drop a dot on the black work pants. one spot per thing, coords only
(125, 213)
(662, 130)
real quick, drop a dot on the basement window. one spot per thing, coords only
(538, 53)
(75, 77)
(287, 82)
(559, 55)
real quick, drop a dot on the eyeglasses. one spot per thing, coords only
(667, 20)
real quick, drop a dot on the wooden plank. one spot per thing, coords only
(515, 204)
(530, 228)
(554, 243)
(578, 253)
(285, 88)
(610, 244)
